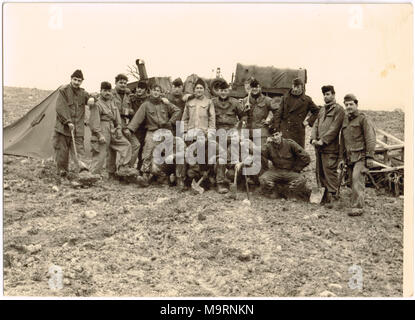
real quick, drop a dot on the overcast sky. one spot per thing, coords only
(363, 49)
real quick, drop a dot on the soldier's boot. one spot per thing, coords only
(112, 176)
(142, 182)
(181, 185)
(222, 189)
(172, 179)
(329, 200)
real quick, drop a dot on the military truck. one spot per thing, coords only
(275, 82)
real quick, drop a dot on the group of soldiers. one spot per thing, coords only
(124, 128)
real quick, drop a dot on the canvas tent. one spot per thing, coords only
(273, 80)
(31, 135)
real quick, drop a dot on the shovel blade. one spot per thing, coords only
(316, 195)
(195, 187)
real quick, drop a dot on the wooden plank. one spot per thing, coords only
(387, 169)
(388, 135)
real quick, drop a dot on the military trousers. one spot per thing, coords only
(326, 170)
(356, 171)
(63, 146)
(108, 151)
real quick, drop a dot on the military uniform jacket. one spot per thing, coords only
(154, 113)
(289, 117)
(70, 108)
(357, 139)
(288, 155)
(228, 112)
(177, 100)
(257, 111)
(199, 113)
(327, 127)
(104, 111)
(124, 106)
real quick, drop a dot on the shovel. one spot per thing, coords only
(75, 152)
(317, 193)
(234, 187)
(196, 185)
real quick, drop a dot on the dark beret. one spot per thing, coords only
(223, 85)
(201, 82)
(298, 81)
(105, 85)
(254, 83)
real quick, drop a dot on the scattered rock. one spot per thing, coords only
(55, 189)
(327, 294)
(33, 248)
(66, 282)
(335, 286)
(123, 210)
(306, 217)
(245, 255)
(278, 248)
(25, 161)
(246, 202)
(90, 214)
(314, 216)
(201, 217)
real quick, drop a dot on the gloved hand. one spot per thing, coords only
(118, 134)
(369, 163)
(102, 140)
(71, 126)
(165, 100)
(127, 133)
(91, 101)
(187, 97)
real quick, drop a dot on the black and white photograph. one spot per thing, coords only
(207, 150)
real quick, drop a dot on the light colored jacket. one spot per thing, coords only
(199, 113)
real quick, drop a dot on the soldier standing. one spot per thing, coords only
(228, 113)
(123, 103)
(325, 139)
(156, 113)
(137, 100)
(294, 108)
(259, 110)
(357, 148)
(107, 138)
(70, 118)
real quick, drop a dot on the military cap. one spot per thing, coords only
(177, 82)
(105, 85)
(350, 97)
(142, 84)
(77, 74)
(298, 81)
(327, 88)
(254, 83)
(223, 85)
(201, 82)
(121, 77)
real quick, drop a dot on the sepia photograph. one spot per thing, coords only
(201, 150)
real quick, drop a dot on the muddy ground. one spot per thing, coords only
(159, 242)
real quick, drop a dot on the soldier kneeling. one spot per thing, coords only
(288, 159)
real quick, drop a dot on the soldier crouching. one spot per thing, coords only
(284, 180)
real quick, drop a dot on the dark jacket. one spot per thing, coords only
(155, 114)
(357, 139)
(124, 106)
(228, 112)
(257, 111)
(328, 126)
(291, 114)
(288, 155)
(70, 108)
(136, 101)
(177, 100)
